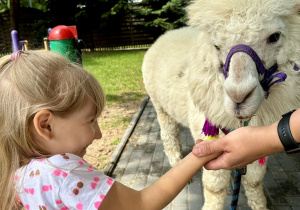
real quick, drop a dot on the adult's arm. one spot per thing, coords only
(246, 144)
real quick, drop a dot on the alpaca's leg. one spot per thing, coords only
(170, 136)
(252, 182)
(215, 185)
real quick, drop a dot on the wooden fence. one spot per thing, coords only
(126, 36)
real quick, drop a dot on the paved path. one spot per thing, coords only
(143, 161)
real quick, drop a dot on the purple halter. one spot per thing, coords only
(269, 75)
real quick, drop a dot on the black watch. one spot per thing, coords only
(285, 135)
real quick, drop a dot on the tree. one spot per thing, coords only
(14, 7)
(100, 15)
(4, 5)
(14, 14)
(162, 15)
(103, 13)
(37, 4)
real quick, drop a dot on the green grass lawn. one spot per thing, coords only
(119, 73)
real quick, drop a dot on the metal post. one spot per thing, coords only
(15, 40)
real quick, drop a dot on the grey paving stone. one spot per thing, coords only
(295, 201)
(195, 188)
(242, 197)
(179, 207)
(133, 162)
(152, 178)
(198, 176)
(288, 187)
(195, 202)
(124, 160)
(139, 184)
(118, 173)
(181, 198)
(155, 126)
(287, 163)
(296, 158)
(243, 207)
(295, 177)
(127, 179)
(276, 196)
(142, 140)
(156, 167)
(146, 161)
(272, 161)
(169, 207)
(149, 148)
(280, 208)
(166, 165)
(279, 173)
(153, 137)
(152, 115)
(269, 180)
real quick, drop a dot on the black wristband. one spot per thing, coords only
(285, 135)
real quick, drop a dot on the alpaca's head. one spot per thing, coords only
(270, 27)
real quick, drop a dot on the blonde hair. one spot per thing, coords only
(36, 80)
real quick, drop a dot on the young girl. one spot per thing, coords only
(48, 117)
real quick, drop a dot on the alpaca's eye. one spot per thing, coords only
(217, 47)
(274, 37)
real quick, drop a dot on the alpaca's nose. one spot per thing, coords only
(242, 78)
(240, 97)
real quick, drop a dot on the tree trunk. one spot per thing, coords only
(14, 14)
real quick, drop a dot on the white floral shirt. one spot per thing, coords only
(61, 182)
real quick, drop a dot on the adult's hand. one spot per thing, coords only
(240, 147)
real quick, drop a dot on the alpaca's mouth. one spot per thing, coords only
(245, 118)
(240, 113)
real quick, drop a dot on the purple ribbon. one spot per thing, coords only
(210, 129)
(269, 75)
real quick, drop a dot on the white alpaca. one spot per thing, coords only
(183, 75)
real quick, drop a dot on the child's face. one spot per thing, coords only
(75, 132)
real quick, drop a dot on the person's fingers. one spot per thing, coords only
(198, 141)
(207, 148)
(226, 162)
(213, 165)
(217, 164)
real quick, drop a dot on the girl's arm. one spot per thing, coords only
(159, 194)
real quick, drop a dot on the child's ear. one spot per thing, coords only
(42, 123)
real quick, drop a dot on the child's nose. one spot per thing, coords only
(98, 134)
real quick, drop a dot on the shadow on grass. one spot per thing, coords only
(128, 96)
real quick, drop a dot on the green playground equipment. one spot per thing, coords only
(62, 39)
